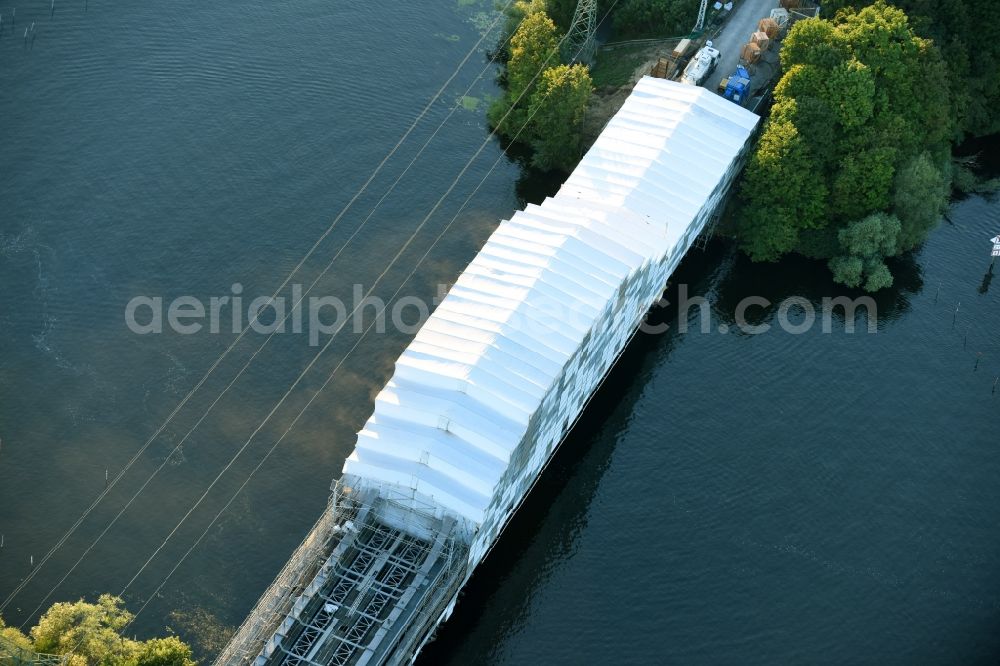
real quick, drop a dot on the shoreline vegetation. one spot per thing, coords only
(854, 164)
(545, 100)
(87, 634)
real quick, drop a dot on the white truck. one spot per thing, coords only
(702, 64)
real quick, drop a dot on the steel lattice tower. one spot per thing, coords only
(700, 24)
(581, 40)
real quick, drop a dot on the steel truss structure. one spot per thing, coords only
(581, 41)
(387, 571)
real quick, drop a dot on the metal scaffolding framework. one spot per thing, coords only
(386, 570)
(13, 655)
(581, 41)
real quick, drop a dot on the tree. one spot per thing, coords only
(847, 270)
(557, 110)
(874, 236)
(861, 99)
(866, 243)
(545, 101)
(533, 48)
(815, 121)
(514, 14)
(654, 18)
(812, 43)
(14, 638)
(968, 35)
(561, 12)
(852, 83)
(878, 275)
(781, 189)
(169, 651)
(921, 191)
(86, 629)
(862, 183)
(90, 634)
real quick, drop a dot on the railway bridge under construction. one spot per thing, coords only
(491, 384)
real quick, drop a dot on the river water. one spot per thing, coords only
(821, 497)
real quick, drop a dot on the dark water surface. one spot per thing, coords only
(820, 498)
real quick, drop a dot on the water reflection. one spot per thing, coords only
(985, 286)
(799, 277)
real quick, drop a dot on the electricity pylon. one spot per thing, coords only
(701, 16)
(581, 40)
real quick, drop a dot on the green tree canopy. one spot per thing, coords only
(14, 638)
(90, 634)
(865, 243)
(783, 193)
(654, 18)
(921, 189)
(534, 47)
(858, 114)
(169, 651)
(968, 35)
(545, 101)
(557, 110)
(874, 236)
(90, 630)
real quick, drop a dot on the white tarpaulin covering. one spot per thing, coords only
(506, 363)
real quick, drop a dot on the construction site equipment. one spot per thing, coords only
(738, 86)
(702, 65)
(722, 85)
(789, 4)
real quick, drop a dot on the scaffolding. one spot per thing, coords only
(277, 600)
(707, 232)
(14, 655)
(368, 586)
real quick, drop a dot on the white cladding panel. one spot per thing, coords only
(495, 377)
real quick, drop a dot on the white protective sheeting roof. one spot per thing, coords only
(464, 390)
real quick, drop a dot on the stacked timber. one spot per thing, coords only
(665, 68)
(761, 39)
